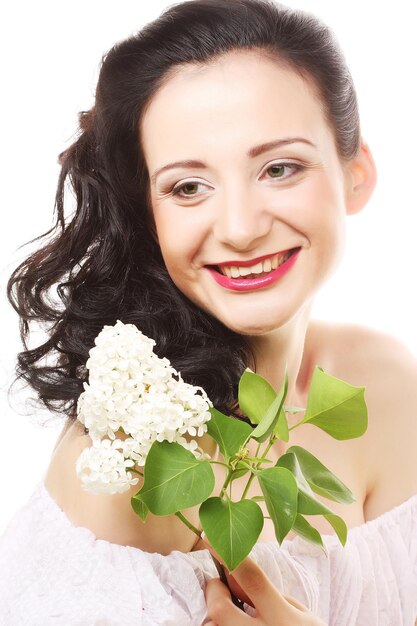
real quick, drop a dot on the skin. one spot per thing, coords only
(251, 584)
(239, 210)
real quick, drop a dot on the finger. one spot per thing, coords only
(231, 582)
(221, 609)
(235, 588)
(268, 601)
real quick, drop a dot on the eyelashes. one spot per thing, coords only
(279, 168)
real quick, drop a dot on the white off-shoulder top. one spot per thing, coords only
(53, 573)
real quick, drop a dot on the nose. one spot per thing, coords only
(241, 219)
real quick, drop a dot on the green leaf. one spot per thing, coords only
(270, 419)
(229, 432)
(320, 478)
(232, 528)
(307, 502)
(280, 490)
(174, 479)
(336, 407)
(339, 526)
(281, 427)
(255, 395)
(239, 472)
(243, 465)
(290, 462)
(139, 507)
(303, 528)
(308, 505)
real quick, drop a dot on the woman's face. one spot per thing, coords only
(237, 199)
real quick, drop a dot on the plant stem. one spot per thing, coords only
(219, 463)
(226, 483)
(252, 476)
(132, 469)
(248, 484)
(272, 440)
(220, 570)
(188, 523)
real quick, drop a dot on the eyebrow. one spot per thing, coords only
(252, 153)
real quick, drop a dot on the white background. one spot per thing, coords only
(50, 53)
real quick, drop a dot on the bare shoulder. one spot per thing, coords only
(365, 356)
(387, 369)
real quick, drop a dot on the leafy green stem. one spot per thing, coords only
(272, 439)
(226, 482)
(248, 484)
(219, 463)
(188, 523)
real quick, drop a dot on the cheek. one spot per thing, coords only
(173, 249)
(181, 231)
(316, 210)
(178, 241)
(322, 206)
(328, 219)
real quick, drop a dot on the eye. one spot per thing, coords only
(189, 189)
(283, 170)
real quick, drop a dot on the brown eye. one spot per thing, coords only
(284, 170)
(188, 189)
(277, 171)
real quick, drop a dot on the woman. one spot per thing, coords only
(224, 140)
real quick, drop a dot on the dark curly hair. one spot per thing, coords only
(101, 263)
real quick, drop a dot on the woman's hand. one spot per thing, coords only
(251, 584)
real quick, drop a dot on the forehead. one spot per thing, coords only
(242, 96)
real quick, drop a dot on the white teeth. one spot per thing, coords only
(267, 265)
(257, 269)
(263, 266)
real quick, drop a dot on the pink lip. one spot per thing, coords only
(247, 284)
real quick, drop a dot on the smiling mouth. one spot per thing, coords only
(259, 269)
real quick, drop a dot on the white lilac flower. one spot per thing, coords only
(134, 392)
(103, 468)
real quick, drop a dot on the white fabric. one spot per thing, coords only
(53, 573)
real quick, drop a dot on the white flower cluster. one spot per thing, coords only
(103, 468)
(139, 396)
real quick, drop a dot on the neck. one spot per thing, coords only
(285, 347)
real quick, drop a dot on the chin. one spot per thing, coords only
(267, 321)
(256, 327)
